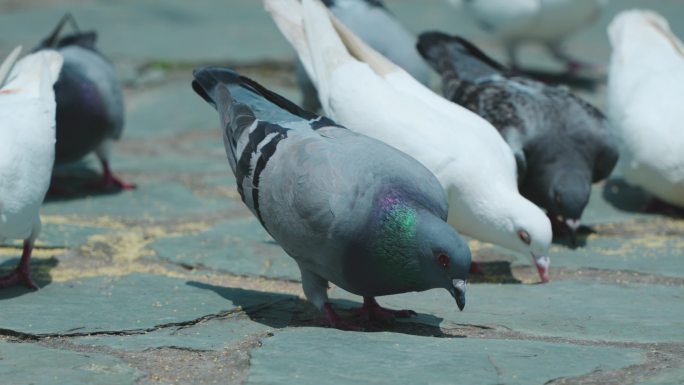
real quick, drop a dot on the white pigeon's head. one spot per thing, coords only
(509, 220)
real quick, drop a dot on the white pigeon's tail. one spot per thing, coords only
(642, 39)
(34, 76)
(8, 64)
(362, 51)
(307, 27)
(643, 45)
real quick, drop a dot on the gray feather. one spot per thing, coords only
(561, 143)
(317, 187)
(88, 94)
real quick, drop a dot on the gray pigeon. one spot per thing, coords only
(377, 26)
(90, 111)
(349, 209)
(561, 143)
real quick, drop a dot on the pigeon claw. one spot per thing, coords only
(336, 322)
(109, 181)
(21, 273)
(372, 311)
(16, 277)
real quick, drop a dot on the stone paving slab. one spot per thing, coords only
(177, 282)
(26, 363)
(581, 310)
(312, 356)
(224, 246)
(149, 202)
(131, 302)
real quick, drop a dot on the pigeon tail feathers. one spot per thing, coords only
(35, 75)
(85, 39)
(8, 64)
(454, 54)
(362, 51)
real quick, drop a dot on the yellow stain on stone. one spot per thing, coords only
(9, 251)
(101, 221)
(67, 274)
(117, 253)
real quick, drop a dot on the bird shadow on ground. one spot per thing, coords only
(493, 271)
(40, 272)
(278, 311)
(76, 181)
(583, 82)
(580, 239)
(633, 199)
(619, 194)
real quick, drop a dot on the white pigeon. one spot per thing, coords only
(379, 28)
(27, 150)
(645, 93)
(367, 93)
(548, 22)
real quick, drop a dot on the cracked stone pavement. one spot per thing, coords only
(177, 283)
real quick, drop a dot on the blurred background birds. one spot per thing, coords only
(545, 22)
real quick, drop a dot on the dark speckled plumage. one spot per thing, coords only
(561, 143)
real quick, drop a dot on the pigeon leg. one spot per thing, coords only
(21, 274)
(335, 321)
(372, 311)
(109, 181)
(573, 65)
(475, 268)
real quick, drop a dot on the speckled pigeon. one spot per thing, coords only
(349, 209)
(90, 110)
(561, 143)
(27, 150)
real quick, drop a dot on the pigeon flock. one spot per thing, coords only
(372, 183)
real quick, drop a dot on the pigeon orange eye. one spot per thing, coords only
(443, 260)
(524, 236)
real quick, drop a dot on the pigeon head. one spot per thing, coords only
(419, 248)
(568, 193)
(523, 227)
(444, 256)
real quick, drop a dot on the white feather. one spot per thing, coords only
(27, 142)
(645, 90)
(377, 98)
(8, 64)
(548, 21)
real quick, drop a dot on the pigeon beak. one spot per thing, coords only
(458, 292)
(542, 263)
(573, 224)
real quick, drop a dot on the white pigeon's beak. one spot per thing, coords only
(542, 263)
(458, 292)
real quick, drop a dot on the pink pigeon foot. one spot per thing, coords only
(21, 274)
(372, 311)
(475, 268)
(336, 322)
(657, 206)
(110, 181)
